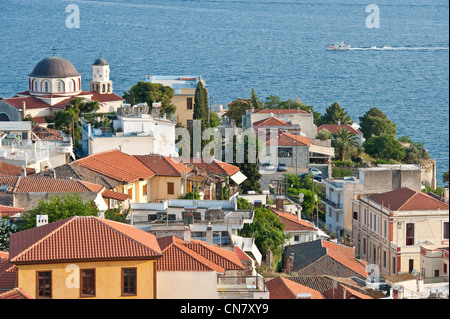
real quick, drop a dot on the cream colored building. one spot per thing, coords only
(390, 228)
(434, 263)
(184, 87)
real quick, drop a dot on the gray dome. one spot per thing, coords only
(100, 62)
(54, 67)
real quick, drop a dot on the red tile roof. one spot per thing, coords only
(115, 195)
(179, 255)
(163, 165)
(346, 256)
(13, 170)
(283, 288)
(32, 102)
(271, 121)
(213, 166)
(241, 254)
(39, 184)
(46, 134)
(15, 293)
(117, 165)
(292, 224)
(406, 199)
(341, 290)
(334, 128)
(286, 139)
(9, 211)
(82, 238)
(108, 97)
(7, 272)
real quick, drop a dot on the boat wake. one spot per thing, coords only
(388, 48)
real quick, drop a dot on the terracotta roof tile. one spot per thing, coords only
(286, 139)
(7, 169)
(179, 255)
(340, 291)
(271, 121)
(15, 293)
(214, 166)
(39, 184)
(292, 224)
(82, 238)
(334, 128)
(406, 199)
(117, 165)
(283, 288)
(163, 165)
(7, 275)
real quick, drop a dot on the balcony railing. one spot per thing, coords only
(332, 204)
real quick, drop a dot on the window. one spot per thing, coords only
(330, 212)
(285, 152)
(189, 103)
(355, 215)
(364, 246)
(337, 216)
(144, 190)
(393, 265)
(436, 273)
(364, 217)
(409, 234)
(296, 238)
(129, 281)
(384, 229)
(46, 86)
(170, 188)
(44, 284)
(130, 191)
(87, 284)
(445, 231)
(445, 269)
(384, 259)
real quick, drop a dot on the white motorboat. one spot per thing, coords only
(339, 46)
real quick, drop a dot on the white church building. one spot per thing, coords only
(53, 82)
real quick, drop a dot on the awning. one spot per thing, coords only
(238, 178)
(324, 150)
(115, 195)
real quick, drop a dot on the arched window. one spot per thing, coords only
(109, 87)
(60, 86)
(35, 85)
(104, 88)
(46, 86)
(4, 117)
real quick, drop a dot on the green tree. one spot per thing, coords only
(375, 123)
(215, 120)
(60, 207)
(147, 92)
(324, 135)
(243, 204)
(345, 142)
(385, 147)
(201, 109)
(268, 232)
(6, 229)
(335, 114)
(237, 109)
(445, 177)
(256, 103)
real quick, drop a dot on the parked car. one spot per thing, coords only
(282, 167)
(268, 166)
(315, 173)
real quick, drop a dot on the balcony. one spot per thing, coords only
(332, 204)
(242, 287)
(64, 147)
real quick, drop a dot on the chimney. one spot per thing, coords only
(24, 109)
(345, 293)
(395, 293)
(187, 234)
(41, 220)
(446, 195)
(101, 215)
(209, 234)
(339, 122)
(304, 295)
(420, 284)
(299, 214)
(23, 171)
(279, 203)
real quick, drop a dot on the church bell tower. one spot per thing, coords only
(100, 77)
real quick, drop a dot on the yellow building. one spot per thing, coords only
(170, 178)
(85, 257)
(184, 87)
(390, 228)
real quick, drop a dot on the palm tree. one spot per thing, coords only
(344, 142)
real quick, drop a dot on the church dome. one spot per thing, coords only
(100, 62)
(54, 67)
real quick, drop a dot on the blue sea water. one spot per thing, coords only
(277, 47)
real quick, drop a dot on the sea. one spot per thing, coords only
(399, 61)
